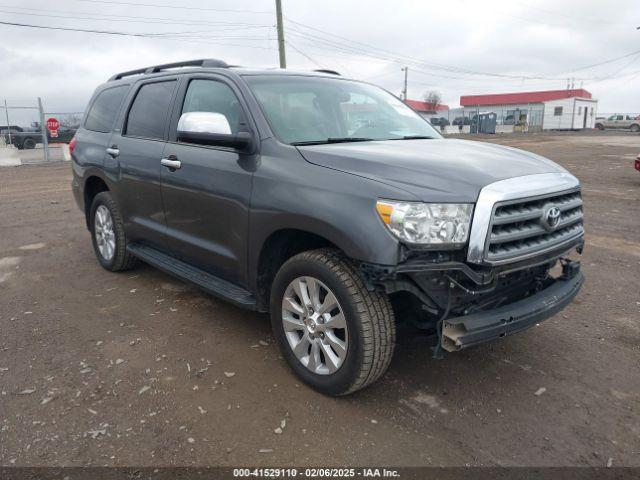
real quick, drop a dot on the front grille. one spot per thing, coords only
(517, 228)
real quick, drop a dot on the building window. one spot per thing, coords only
(579, 110)
(557, 112)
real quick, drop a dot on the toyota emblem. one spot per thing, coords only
(550, 217)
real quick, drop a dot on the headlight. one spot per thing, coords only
(437, 224)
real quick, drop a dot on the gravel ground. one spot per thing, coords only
(140, 369)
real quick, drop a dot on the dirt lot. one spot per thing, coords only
(140, 369)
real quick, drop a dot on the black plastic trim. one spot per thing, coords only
(469, 330)
(208, 282)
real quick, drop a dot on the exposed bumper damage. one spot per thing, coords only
(466, 331)
(468, 304)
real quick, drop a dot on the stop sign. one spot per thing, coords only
(53, 124)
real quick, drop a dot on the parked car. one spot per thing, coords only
(631, 122)
(65, 134)
(461, 121)
(23, 138)
(255, 186)
(19, 137)
(439, 121)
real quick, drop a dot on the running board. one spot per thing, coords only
(209, 283)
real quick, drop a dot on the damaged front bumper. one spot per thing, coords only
(468, 330)
(467, 304)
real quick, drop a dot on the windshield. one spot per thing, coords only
(304, 110)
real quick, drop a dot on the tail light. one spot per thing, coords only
(72, 144)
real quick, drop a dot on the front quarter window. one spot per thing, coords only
(306, 109)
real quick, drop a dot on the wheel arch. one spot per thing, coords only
(279, 246)
(93, 185)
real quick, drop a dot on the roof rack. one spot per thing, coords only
(330, 72)
(204, 63)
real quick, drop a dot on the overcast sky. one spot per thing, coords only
(456, 47)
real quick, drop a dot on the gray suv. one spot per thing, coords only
(328, 203)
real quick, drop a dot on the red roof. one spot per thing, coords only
(426, 107)
(522, 97)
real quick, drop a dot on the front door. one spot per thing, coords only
(584, 123)
(206, 199)
(139, 148)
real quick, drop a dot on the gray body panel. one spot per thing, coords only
(220, 208)
(438, 170)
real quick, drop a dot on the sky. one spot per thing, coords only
(455, 47)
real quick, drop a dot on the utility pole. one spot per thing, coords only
(404, 90)
(6, 112)
(281, 52)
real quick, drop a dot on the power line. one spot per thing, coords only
(303, 54)
(373, 52)
(572, 16)
(158, 36)
(135, 19)
(181, 7)
(611, 60)
(103, 32)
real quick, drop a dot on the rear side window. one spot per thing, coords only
(104, 109)
(149, 111)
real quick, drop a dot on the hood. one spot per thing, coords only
(438, 170)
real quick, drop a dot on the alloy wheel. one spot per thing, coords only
(103, 231)
(315, 325)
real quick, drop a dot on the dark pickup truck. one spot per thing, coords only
(27, 139)
(273, 190)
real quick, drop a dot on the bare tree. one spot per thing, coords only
(432, 98)
(71, 120)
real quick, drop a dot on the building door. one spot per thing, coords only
(584, 123)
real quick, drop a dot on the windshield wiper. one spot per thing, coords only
(333, 140)
(413, 137)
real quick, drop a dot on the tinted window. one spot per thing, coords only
(104, 109)
(149, 111)
(212, 96)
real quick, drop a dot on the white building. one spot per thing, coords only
(546, 110)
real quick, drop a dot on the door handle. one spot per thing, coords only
(113, 151)
(172, 163)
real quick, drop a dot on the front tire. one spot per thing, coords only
(336, 335)
(107, 234)
(29, 144)
(635, 128)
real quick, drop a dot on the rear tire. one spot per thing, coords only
(106, 228)
(369, 325)
(29, 144)
(599, 126)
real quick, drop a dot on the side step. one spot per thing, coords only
(210, 283)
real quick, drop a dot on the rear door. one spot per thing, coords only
(138, 149)
(93, 139)
(206, 200)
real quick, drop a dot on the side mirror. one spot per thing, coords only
(209, 128)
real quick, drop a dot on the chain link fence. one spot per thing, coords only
(508, 118)
(24, 138)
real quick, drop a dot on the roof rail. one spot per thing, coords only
(330, 72)
(204, 63)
